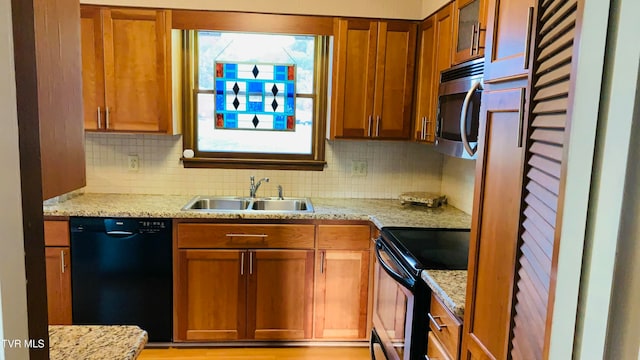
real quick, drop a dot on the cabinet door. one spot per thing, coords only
(210, 296)
(58, 266)
(495, 224)
(354, 78)
(425, 82)
(394, 79)
(137, 68)
(280, 294)
(468, 30)
(92, 68)
(508, 37)
(341, 294)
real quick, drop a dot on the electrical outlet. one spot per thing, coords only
(358, 168)
(133, 163)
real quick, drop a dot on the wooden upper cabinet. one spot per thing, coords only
(280, 300)
(59, 100)
(373, 79)
(469, 28)
(435, 44)
(127, 70)
(508, 38)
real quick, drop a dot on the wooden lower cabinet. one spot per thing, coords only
(58, 271)
(58, 266)
(228, 295)
(211, 295)
(435, 349)
(280, 293)
(342, 280)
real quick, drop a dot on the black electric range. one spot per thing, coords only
(402, 254)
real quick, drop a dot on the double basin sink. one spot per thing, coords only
(230, 203)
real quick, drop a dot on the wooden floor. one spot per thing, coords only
(303, 353)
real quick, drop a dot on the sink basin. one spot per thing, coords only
(289, 204)
(217, 203)
(230, 203)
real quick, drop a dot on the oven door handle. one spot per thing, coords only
(407, 282)
(463, 119)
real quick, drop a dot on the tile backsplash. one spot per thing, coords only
(458, 176)
(393, 167)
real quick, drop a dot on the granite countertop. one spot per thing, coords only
(382, 213)
(450, 286)
(90, 342)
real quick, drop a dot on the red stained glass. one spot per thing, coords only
(291, 72)
(219, 70)
(219, 121)
(290, 122)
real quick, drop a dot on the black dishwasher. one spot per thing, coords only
(122, 273)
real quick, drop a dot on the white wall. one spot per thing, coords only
(431, 6)
(13, 293)
(458, 177)
(404, 9)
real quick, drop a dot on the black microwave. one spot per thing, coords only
(458, 116)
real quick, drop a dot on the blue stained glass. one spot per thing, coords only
(219, 87)
(290, 105)
(231, 121)
(280, 122)
(231, 71)
(220, 102)
(240, 95)
(255, 106)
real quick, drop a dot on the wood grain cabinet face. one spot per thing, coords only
(508, 38)
(435, 44)
(58, 271)
(373, 79)
(495, 224)
(469, 30)
(342, 282)
(126, 64)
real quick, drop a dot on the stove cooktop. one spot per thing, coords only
(429, 249)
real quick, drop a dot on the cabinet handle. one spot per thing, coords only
(378, 126)
(250, 262)
(370, 125)
(322, 256)
(106, 112)
(241, 263)
(422, 127)
(527, 42)
(435, 323)
(99, 118)
(62, 264)
(478, 29)
(473, 39)
(523, 92)
(426, 128)
(247, 235)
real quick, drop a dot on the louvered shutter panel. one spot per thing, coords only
(550, 89)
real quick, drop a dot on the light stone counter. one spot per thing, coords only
(380, 212)
(450, 286)
(95, 342)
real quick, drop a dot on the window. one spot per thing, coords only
(255, 100)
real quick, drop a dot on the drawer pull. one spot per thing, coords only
(435, 322)
(248, 235)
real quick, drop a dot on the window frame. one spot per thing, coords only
(206, 159)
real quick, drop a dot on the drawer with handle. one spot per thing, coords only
(445, 327)
(435, 350)
(243, 236)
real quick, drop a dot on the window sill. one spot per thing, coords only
(269, 164)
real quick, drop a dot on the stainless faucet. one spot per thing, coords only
(254, 187)
(280, 197)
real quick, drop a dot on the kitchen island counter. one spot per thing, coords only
(89, 342)
(382, 212)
